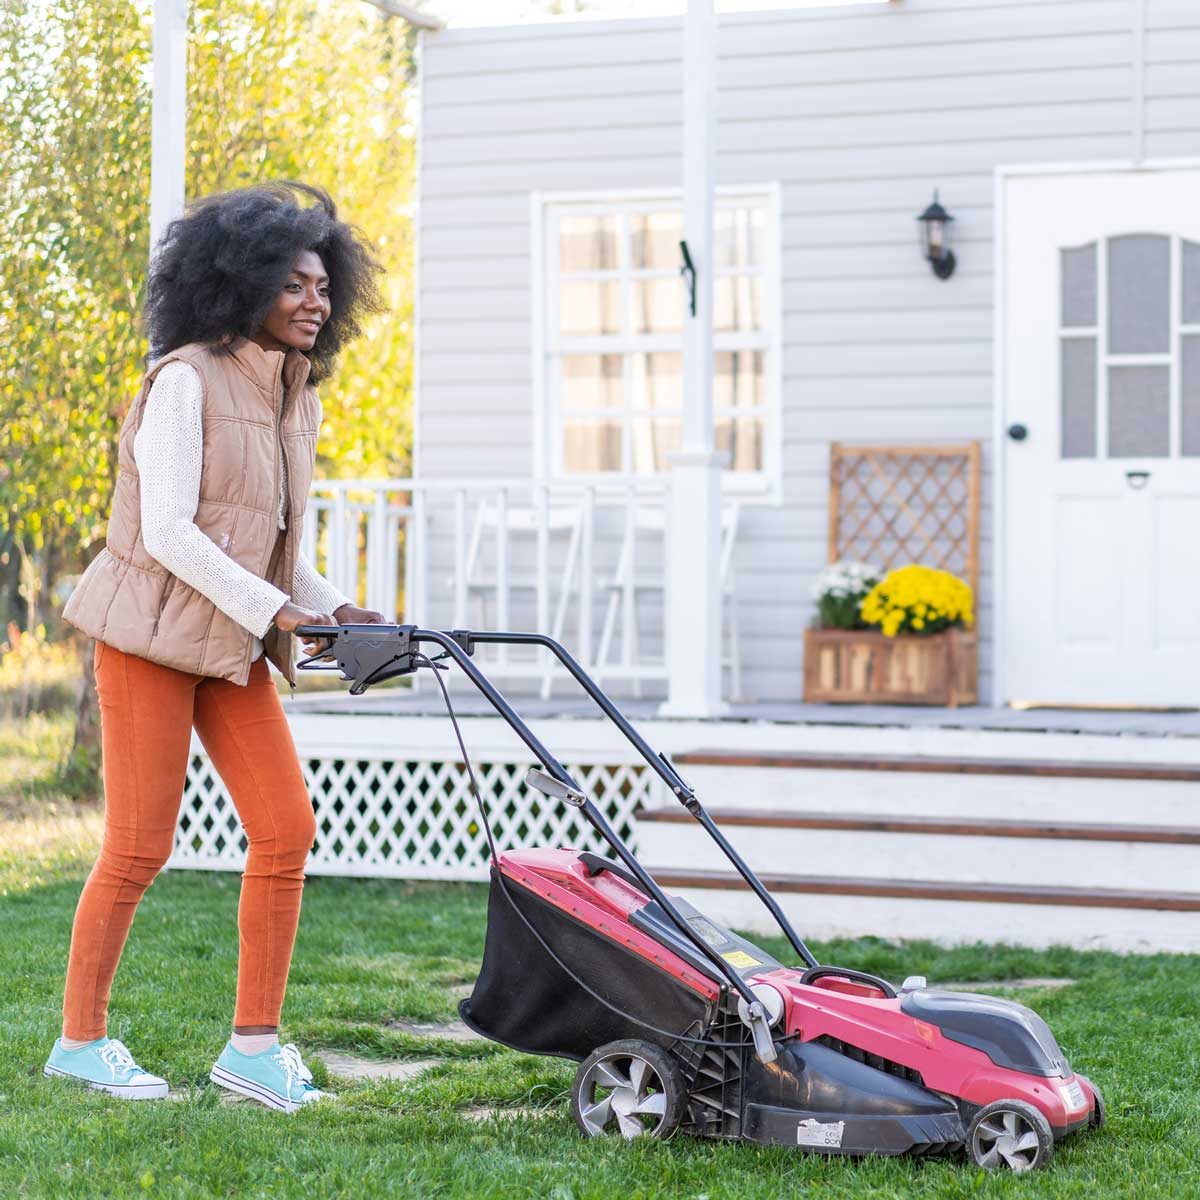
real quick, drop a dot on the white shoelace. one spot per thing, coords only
(116, 1057)
(289, 1058)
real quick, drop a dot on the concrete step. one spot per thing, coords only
(822, 907)
(925, 786)
(965, 850)
(957, 848)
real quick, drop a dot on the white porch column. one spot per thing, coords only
(693, 610)
(168, 127)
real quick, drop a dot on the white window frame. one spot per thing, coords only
(763, 486)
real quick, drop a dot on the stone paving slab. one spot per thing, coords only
(193, 1093)
(483, 1113)
(351, 1066)
(453, 1031)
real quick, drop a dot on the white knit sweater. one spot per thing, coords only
(168, 450)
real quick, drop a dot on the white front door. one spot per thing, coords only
(1100, 400)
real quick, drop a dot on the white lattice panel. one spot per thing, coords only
(410, 818)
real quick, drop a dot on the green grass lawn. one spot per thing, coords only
(373, 954)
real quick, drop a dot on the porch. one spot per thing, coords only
(1036, 826)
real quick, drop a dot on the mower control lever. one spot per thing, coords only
(545, 783)
(764, 1044)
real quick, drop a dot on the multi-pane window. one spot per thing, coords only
(613, 334)
(1129, 343)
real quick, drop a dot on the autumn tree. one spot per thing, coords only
(312, 89)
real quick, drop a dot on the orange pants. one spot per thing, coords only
(146, 717)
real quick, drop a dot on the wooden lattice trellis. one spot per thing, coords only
(405, 818)
(891, 505)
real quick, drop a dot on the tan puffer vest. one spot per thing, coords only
(258, 405)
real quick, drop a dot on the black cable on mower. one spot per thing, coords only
(487, 828)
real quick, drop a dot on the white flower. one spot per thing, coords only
(846, 579)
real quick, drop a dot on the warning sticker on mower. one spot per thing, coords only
(739, 958)
(814, 1133)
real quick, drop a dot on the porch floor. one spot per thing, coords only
(428, 702)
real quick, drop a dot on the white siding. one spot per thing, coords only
(859, 113)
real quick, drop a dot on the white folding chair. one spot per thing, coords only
(625, 586)
(563, 522)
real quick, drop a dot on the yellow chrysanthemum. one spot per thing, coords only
(918, 599)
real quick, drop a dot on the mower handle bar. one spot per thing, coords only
(459, 645)
(662, 766)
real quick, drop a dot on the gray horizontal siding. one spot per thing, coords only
(1172, 79)
(858, 113)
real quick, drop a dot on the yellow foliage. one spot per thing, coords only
(921, 600)
(340, 120)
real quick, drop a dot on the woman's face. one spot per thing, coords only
(300, 309)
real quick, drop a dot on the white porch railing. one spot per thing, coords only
(583, 561)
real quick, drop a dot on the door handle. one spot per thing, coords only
(1018, 433)
(1137, 479)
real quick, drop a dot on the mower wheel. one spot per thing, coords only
(629, 1087)
(1099, 1109)
(1012, 1134)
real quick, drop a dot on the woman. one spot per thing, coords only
(200, 582)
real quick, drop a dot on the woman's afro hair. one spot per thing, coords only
(219, 268)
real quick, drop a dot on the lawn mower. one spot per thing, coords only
(680, 1025)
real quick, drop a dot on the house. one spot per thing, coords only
(1063, 137)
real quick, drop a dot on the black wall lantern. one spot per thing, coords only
(935, 238)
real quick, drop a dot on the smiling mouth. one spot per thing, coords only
(313, 325)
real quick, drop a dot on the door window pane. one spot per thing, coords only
(738, 304)
(653, 439)
(1191, 283)
(1189, 380)
(588, 243)
(737, 379)
(1139, 299)
(587, 308)
(592, 445)
(654, 240)
(1079, 286)
(658, 305)
(591, 382)
(1138, 403)
(1078, 397)
(738, 236)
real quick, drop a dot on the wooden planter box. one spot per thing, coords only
(850, 666)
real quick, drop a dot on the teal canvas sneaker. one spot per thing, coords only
(276, 1077)
(106, 1065)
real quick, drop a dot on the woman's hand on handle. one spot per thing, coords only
(349, 614)
(291, 615)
